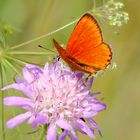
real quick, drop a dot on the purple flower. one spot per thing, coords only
(57, 97)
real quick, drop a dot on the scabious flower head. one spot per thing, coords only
(57, 97)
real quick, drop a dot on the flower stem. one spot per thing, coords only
(12, 67)
(45, 35)
(16, 60)
(32, 53)
(94, 4)
(5, 65)
(43, 132)
(2, 106)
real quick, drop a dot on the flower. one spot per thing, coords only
(57, 97)
(111, 12)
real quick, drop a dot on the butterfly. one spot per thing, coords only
(86, 50)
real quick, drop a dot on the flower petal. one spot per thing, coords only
(38, 120)
(51, 134)
(22, 102)
(73, 136)
(18, 120)
(31, 72)
(90, 83)
(98, 107)
(62, 123)
(20, 86)
(63, 135)
(79, 75)
(89, 114)
(81, 125)
(19, 80)
(94, 125)
(31, 120)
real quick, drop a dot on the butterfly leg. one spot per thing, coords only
(89, 75)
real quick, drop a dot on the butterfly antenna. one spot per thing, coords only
(46, 48)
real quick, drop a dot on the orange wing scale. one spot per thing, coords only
(86, 50)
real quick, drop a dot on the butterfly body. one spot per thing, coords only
(86, 50)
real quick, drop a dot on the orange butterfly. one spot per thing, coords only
(86, 50)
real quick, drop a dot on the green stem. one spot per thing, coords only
(2, 40)
(33, 137)
(43, 132)
(32, 53)
(11, 66)
(5, 64)
(94, 4)
(16, 60)
(104, 1)
(19, 61)
(45, 35)
(50, 33)
(2, 105)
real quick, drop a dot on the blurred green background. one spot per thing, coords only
(120, 87)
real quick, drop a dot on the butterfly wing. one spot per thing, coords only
(73, 63)
(86, 45)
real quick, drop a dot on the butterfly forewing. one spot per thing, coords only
(86, 44)
(86, 34)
